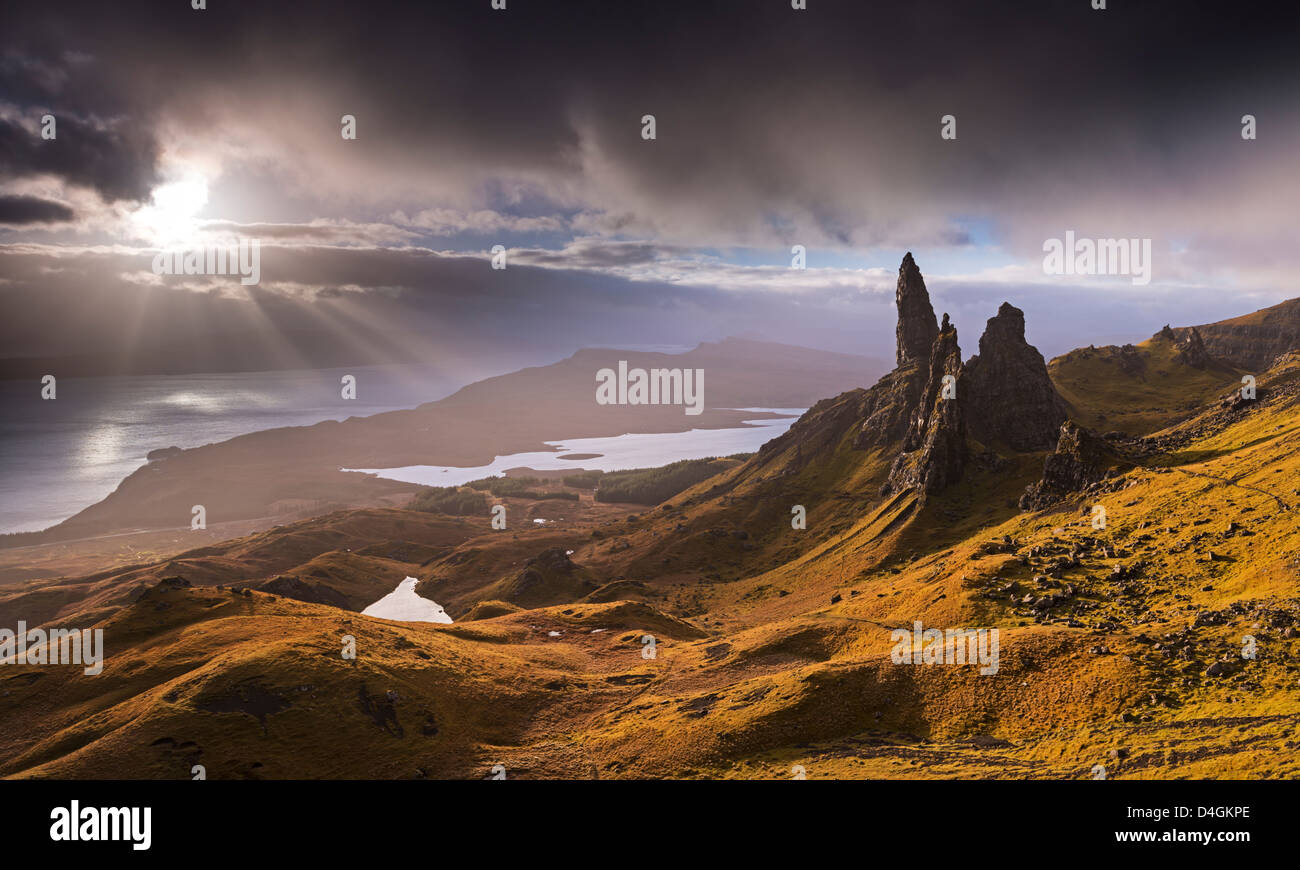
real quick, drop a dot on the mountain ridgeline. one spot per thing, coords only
(1252, 341)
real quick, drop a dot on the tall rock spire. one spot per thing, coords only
(917, 328)
(934, 449)
(1010, 398)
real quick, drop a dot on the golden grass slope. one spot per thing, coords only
(1120, 646)
(1137, 390)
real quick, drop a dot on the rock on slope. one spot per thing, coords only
(1081, 458)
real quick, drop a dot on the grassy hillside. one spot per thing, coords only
(1253, 341)
(1119, 646)
(1136, 389)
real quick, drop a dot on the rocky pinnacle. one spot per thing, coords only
(917, 328)
(1192, 350)
(1009, 396)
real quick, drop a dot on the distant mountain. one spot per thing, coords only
(739, 373)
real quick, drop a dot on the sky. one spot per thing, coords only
(523, 127)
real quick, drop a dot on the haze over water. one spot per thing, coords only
(63, 455)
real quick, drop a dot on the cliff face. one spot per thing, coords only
(1251, 342)
(934, 451)
(888, 408)
(1010, 398)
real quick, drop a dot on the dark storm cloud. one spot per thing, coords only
(771, 122)
(119, 161)
(19, 210)
(775, 127)
(41, 74)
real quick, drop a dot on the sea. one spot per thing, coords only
(60, 455)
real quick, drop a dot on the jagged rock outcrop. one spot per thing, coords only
(1008, 396)
(935, 450)
(1130, 360)
(944, 368)
(889, 407)
(917, 329)
(920, 412)
(1082, 458)
(1191, 350)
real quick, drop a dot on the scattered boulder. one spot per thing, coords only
(1223, 668)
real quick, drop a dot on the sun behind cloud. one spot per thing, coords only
(170, 219)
